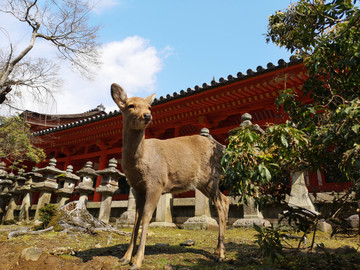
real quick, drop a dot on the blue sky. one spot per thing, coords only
(201, 38)
(164, 46)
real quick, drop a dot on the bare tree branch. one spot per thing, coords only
(64, 24)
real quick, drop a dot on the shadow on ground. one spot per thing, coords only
(185, 257)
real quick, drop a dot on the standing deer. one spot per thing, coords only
(154, 167)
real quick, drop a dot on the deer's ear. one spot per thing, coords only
(119, 95)
(150, 99)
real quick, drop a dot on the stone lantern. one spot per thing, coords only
(17, 191)
(3, 173)
(86, 185)
(5, 183)
(27, 194)
(202, 219)
(7, 194)
(252, 214)
(47, 185)
(19, 182)
(109, 185)
(66, 185)
(34, 177)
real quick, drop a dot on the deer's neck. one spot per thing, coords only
(133, 146)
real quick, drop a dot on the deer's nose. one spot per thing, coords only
(147, 116)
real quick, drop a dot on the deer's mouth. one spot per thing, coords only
(147, 118)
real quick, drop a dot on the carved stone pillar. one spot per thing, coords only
(86, 185)
(202, 219)
(127, 219)
(163, 212)
(66, 186)
(299, 194)
(5, 184)
(13, 198)
(252, 215)
(27, 195)
(109, 184)
(47, 185)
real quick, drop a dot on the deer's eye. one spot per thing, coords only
(131, 106)
(149, 108)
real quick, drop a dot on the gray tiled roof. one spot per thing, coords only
(190, 91)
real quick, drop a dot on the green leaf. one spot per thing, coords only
(267, 174)
(258, 229)
(284, 141)
(355, 128)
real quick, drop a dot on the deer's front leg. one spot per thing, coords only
(140, 201)
(149, 208)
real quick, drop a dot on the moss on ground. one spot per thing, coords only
(103, 251)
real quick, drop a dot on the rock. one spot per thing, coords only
(162, 245)
(249, 222)
(62, 250)
(37, 223)
(345, 250)
(168, 266)
(188, 243)
(323, 226)
(31, 253)
(353, 221)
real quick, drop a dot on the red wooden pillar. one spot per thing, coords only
(67, 162)
(102, 165)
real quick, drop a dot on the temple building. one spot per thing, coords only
(95, 137)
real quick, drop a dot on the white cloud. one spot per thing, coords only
(133, 63)
(102, 5)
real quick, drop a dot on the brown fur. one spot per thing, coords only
(154, 167)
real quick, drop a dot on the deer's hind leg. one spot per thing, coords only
(222, 207)
(140, 202)
(221, 203)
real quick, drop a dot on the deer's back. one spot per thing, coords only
(181, 163)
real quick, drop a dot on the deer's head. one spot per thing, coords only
(136, 111)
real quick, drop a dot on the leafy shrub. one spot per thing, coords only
(269, 240)
(47, 213)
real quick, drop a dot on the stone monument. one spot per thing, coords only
(109, 184)
(127, 219)
(299, 194)
(67, 183)
(14, 197)
(252, 215)
(5, 184)
(163, 216)
(28, 192)
(87, 180)
(47, 185)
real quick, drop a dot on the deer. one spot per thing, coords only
(154, 167)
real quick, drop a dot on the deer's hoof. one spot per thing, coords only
(134, 267)
(124, 261)
(219, 259)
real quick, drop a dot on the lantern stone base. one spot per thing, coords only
(249, 222)
(126, 220)
(162, 224)
(201, 223)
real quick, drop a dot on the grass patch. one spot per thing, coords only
(163, 247)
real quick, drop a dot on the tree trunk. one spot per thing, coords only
(3, 94)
